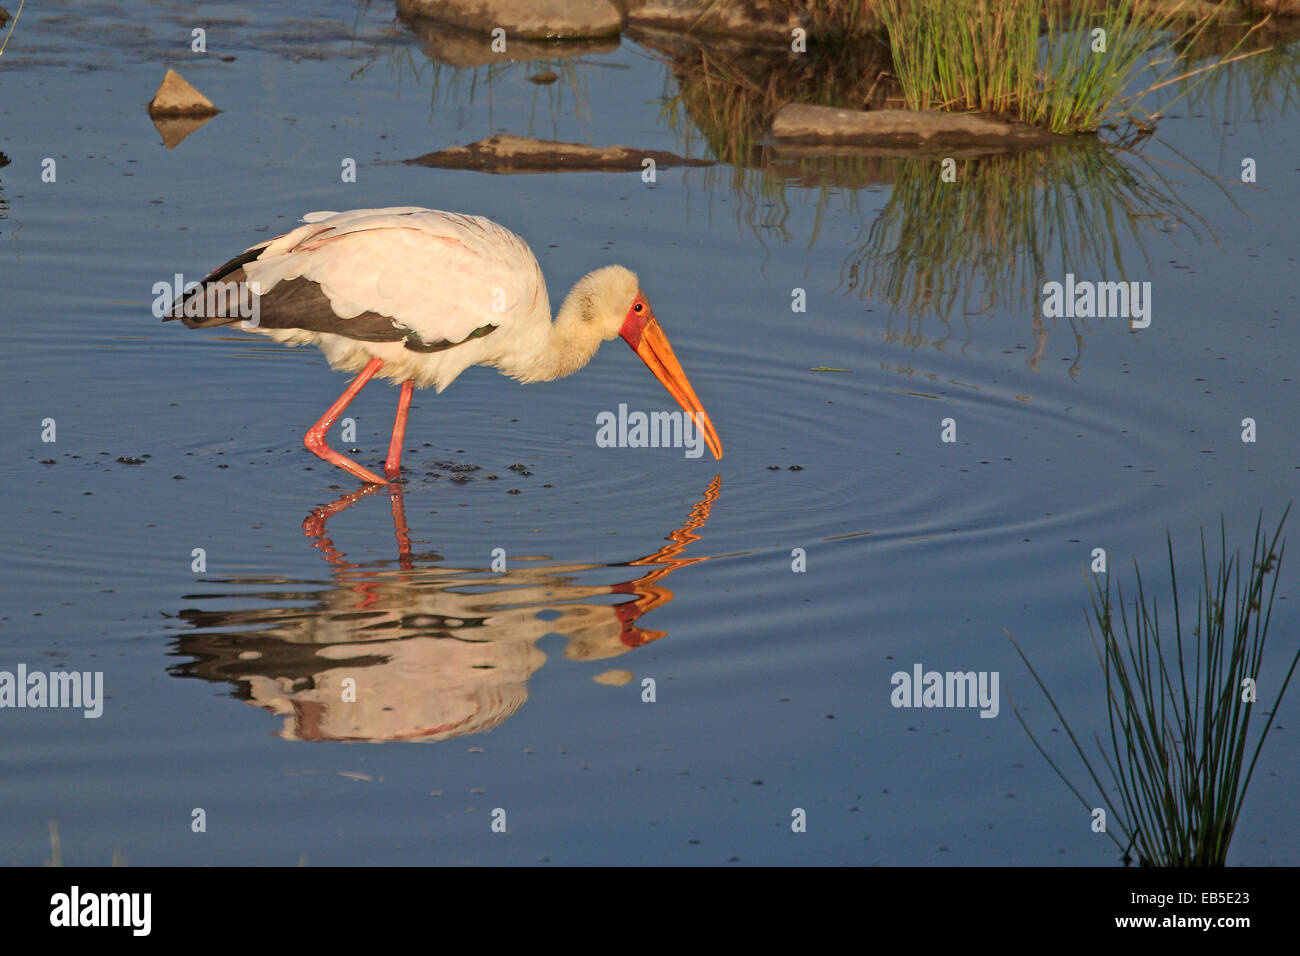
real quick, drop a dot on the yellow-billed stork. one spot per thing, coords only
(419, 295)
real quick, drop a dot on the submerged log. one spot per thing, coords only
(515, 154)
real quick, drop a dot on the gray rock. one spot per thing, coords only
(800, 123)
(466, 49)
(756, 19)
(524, 19)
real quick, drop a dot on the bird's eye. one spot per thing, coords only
(638, 307)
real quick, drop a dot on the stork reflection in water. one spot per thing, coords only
(435, 652)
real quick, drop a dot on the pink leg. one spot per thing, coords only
(399, 527)
(315, 437)
(393, 466)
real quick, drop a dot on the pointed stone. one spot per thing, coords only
(175, 97)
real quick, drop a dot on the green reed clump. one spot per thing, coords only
(988, 55)
(1179, 726)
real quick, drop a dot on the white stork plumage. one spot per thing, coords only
(419, 295)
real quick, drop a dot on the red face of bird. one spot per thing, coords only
(641, 331)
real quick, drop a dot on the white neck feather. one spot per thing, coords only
(564, 345)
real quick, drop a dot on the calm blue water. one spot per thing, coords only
(772, 687)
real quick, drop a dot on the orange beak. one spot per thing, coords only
(642, 332)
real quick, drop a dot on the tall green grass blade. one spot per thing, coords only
(1178, 717)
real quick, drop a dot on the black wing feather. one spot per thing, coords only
(300, 304)
(293, 304)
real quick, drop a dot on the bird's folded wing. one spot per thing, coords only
(442, 276)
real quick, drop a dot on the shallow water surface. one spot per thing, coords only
(515, 605)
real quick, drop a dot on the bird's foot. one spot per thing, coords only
(315, 443)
